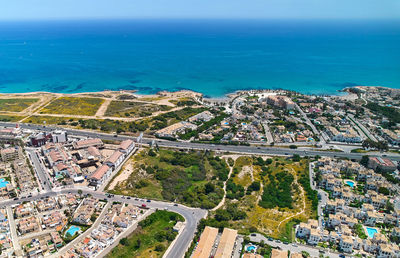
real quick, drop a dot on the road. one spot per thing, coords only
(323, 196)
(308, 122)
(192, 215)
(228, 148)
(363, 129)
(39, 169)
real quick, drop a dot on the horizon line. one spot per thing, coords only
(197, 19)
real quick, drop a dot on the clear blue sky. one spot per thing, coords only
(225, 9)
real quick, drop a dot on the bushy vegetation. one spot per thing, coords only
(278, 192)
(166, 119)
(73, 106)
(154, 235)
(203, 127)
(360, 231)
(391, 113)
(134, 109)
(194, 178)
(5, 118)
(16, 105)
(312, 195)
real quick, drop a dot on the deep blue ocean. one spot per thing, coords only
(214, 57)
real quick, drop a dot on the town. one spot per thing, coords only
(259, 173)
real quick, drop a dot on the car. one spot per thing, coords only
(175, 204)
(16, 198)
(136, 199)
(144, 205)
(342, 256)
(123, 197)
(252, 234)
(286, 243)
(278, 241)
(148, 201)
(295, 245)
(128, 197)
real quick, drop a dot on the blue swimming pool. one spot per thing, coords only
(72, 230)
(350, 183)
(251, 248)
(3, 183)
(371, 232)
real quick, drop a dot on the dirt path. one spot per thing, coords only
(103, 108)
(222, 202)
(304, 203)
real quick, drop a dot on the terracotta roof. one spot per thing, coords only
(125, 144)
(100, 172)
(115, 156)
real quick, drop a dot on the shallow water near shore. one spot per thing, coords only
(214, 57)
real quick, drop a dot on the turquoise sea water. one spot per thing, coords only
(214, 57)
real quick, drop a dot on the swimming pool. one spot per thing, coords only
(251, 248)
(350, 183)
(72, 230)
(3, 183)
(371, 232)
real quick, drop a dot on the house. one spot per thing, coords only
(115, 159)
(10, 154)
(100, 175)
(126, 146)
(82, 144)
(346, 244)
(59, 136)
(383, 164)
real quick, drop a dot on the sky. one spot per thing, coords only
(199, 9)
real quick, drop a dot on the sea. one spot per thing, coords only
(214, 57)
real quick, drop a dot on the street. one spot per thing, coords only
(192, 215)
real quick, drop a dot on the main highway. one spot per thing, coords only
(253, 150)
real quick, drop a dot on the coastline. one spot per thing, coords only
(340, 93)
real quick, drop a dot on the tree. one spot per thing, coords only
(293, 146)
(80, 192)
(364, 160)
(159, 248)
(383, 190)
(123, 241)
(209, 188)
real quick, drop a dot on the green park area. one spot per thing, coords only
(194, 178)
(73, 106)
(151, 239)
(16, 105)
(133, 109)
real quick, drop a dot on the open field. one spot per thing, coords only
(7, 118)
(194, 178)
(73, 106)
(133, 109)
(268, 196)
(151, 239)
(51, 120)
(16, 105)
